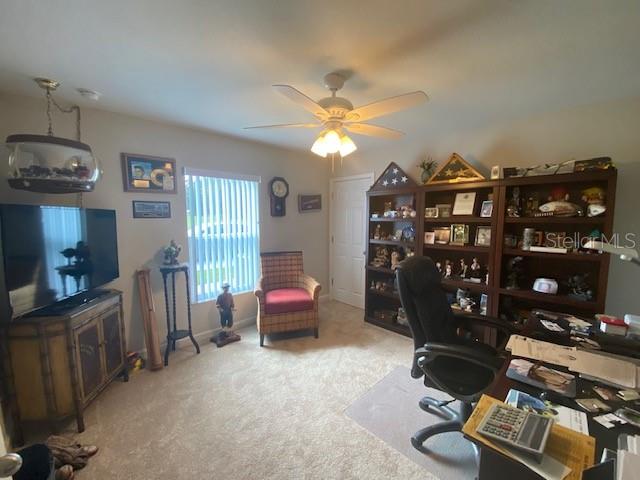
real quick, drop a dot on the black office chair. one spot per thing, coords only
(454, 364)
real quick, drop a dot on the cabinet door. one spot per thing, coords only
(111, 334)
(88, 358)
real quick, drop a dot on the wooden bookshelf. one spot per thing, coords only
(501, 301)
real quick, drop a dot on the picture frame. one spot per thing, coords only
(431, 212)
(429, 238)
(442, 235)
(464, 203)
(145, 209)
(459, 234)
(483, 236)
(444, 210)
(309, 203)
(486, 210)
(150, 174)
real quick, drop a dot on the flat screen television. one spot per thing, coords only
(54, 253)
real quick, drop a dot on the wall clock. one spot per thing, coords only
(278, 191)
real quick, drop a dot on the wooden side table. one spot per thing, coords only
(175, 334)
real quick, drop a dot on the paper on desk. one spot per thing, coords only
(538, 350)
(628, 465)
(614, 370)
(573, 450)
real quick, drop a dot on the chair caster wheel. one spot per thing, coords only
(416, 444)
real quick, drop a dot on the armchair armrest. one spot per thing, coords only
(311, 285)
(259, 290)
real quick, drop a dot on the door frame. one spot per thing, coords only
(332, 181)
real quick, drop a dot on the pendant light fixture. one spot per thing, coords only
(333, 141)
(50, 164)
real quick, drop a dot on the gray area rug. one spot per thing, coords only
(390, 411)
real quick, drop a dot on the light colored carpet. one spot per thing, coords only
(245, 412)
(390, 411)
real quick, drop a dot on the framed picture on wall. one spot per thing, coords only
(309, 203)
(144, 173)
(144, 209)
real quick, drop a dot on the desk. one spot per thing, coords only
(494, 466)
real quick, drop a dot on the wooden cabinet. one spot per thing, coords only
(58, 364)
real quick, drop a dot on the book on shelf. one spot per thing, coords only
(534, 248)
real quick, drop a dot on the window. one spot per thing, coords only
(223, 232)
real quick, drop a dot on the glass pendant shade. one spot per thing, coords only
(332, 141)
(346, 146)
(48, 164)
(318, 147)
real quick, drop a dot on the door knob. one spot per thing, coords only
(10, 464)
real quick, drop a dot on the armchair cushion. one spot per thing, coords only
(286, 300)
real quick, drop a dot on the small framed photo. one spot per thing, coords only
(431, 212)
(143, 173)
(309, 203)
(487, 209)
(144, 209)
(444, 210)
(429, 238)
(483, 237)
(442, 235)
(459, 234)
(464, 203)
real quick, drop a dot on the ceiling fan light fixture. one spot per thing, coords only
(332, 141)
(319, 147)
(346, 146)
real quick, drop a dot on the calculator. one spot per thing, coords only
(524, 431)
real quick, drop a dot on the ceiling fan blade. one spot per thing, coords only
(373, 130)
(302, 100)
(288, 125)
(386, 106)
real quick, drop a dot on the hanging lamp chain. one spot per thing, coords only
(74, 108)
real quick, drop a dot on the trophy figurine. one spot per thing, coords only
(225, 306)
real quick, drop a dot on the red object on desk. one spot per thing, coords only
(613, 325)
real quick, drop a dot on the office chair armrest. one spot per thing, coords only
(431, 351)
(491, 322)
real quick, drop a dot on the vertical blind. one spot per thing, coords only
(223, 232)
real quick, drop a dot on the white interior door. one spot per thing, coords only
(348, 232)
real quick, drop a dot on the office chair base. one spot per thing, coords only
(454, 421)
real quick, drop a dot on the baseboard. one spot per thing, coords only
(205, 335)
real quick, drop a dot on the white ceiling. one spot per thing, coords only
(210, 64)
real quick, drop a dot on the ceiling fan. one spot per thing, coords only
(336, 114)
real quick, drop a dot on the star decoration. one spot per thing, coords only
(404, 179)
(448, 172)
(395, 170)
(394, 181)
(385, 183)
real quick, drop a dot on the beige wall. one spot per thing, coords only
(139, 240)
(609, 129)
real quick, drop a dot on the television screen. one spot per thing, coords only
(51, 253)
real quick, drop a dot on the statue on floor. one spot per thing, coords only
(225, 306)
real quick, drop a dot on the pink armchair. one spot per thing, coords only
(287, 298)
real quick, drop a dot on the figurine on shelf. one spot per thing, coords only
(476, 269)
(579, 287)
(532, 204)
(225, 306)
(464, 268)
(448, 269)
(382, 258)
(439, 267)
(395, 260)
(377, 234)
(171, 253)
(594, 198)
(513, 209)
(514, 273)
